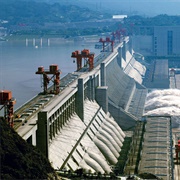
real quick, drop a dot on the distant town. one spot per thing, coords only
(42, 19)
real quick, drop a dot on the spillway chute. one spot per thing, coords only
(93, 164)
(86, 167)
(96, 150)
(108, 144)
(97, 158)
(110, 126)
(106, 151)
(111, 139)
(112, 121)
(107, 129)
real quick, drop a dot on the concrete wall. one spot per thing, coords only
(143, 44)
(159, 75)
(124, 119)
(122, 92)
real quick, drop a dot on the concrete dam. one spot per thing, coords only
(83, 126)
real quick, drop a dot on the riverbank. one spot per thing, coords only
(87, 38)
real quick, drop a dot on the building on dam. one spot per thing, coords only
(157, 40)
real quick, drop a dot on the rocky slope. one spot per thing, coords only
(19, 160)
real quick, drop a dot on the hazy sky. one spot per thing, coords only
(140, 7)
(147, 7)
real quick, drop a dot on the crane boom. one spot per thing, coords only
(86, 55)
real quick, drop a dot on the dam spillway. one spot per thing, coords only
(81, 127)
(91, 150)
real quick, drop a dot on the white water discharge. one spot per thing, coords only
(164, 102)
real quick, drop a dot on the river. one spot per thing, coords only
(19, 60)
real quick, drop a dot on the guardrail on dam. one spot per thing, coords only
(79, 126)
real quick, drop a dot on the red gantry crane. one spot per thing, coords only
(88, 58)
(53, 69)
(119, 34)
(107, 40)
(7, 102)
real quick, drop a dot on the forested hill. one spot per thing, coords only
(25, 12)
(19, 160)
(159, 20)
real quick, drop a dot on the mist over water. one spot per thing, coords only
(165, 103)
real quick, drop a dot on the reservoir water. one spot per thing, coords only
(20, 60)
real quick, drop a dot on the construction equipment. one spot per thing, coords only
(86, 55)
(7, 102)
(53, 69)
(107, 40)
(118, 34)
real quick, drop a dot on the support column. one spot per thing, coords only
(120, 56)
(102, 97)
(59, 123)
(43, 133)
(74, 105)
(34, 138)
(51, 131)
(92, 79)
(91, 89)
(124, 50)
(63, 116)
(67, 110)
(54, 128)
(103, 74)
(130, 45)
(80, 99)
(61, 120)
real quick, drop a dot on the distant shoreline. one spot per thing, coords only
(89, 38)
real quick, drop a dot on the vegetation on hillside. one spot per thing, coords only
(141, 25)
(19, 160)
(26, 17)
(160, 20)
(40, 18)
(28, 12)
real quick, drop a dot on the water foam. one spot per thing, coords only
(166, 103)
